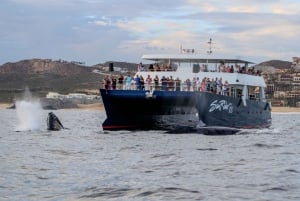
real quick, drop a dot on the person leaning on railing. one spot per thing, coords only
(156, 83)
(142, 83)
(120, 82)
(148, 82)
(106, 82)
(113, 82)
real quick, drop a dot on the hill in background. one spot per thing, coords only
(277, 64)
(272, 65)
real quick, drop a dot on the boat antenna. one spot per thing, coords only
(209, 46)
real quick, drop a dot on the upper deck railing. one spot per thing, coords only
(212, 86)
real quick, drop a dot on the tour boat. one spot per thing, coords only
(191, 92)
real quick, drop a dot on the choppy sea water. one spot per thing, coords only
(85, 163)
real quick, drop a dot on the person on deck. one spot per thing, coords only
(225, 89)
(113, 82)
(171, 84)
(137, 82)
(128, 82)
(148, 83)
(163, 83)
(203, 87)
(188, 83)
(142, 83)
(156, 82)
(120, 82)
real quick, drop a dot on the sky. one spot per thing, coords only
(96, 31)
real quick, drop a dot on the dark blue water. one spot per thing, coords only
(85, 163)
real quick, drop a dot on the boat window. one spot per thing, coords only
(196, 68)
(252, 94)
(161, 67)
(236, 91)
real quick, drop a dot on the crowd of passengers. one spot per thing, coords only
(221, 68)
(129, 82)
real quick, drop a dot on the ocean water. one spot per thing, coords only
(85, 163)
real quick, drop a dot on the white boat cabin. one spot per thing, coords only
(241, 79)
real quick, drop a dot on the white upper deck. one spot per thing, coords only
(185, 69)
(190, 58)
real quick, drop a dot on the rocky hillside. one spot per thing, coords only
(46, 66)
(44, 75)
(276, 64)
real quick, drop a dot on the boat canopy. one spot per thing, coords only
(190, 58)
(183, 74)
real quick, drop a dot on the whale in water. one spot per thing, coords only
(53, 122)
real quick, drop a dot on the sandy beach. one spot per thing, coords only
(94, 106)
(285, 109)
(4, 105)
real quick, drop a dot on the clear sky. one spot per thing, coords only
(96, 31)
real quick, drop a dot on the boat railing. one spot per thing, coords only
(150, 88)
(155, 87)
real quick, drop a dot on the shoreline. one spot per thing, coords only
(4, 105)
(285, 109)
(92, 106)
(100, 107)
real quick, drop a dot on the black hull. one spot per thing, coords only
(168, 110)
(218, 110)
(134, 110)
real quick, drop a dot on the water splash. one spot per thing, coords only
(29, 111)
